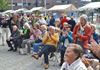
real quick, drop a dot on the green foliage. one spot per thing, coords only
(4, 5)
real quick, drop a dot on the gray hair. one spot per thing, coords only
(77, 49)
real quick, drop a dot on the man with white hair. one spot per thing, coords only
(50, 41)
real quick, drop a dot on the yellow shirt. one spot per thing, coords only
(51, 40)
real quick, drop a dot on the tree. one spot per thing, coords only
(4, 5)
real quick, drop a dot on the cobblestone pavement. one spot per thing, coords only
(14, 61)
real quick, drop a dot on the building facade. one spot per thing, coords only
(16, 4)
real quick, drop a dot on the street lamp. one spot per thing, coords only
(22, 3)
(45, 6)
(12, 4)
(36, 3)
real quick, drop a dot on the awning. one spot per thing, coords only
(21, 10)
(37, 9)
(9, 11)
(69, 7)
(92, 5)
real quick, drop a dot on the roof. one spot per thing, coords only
(68, 7)
(92, 5)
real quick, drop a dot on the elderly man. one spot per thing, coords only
(72, 58)
(50, 41)
(14, 38)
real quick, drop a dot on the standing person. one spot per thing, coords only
(42, 20)
(63, 20)
(52, 21)
(82, 33)
(5, 29)
(72, 58)
(72, 23)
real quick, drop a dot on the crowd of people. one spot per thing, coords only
(76, 41)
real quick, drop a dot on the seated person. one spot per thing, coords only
(25, 34)
(50, 41)
(37, 46)
(34, 35)
(14, 38)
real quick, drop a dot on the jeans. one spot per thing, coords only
(62, 52)
(37, 46)
(27, 42)
(46, 49)
(15, 42)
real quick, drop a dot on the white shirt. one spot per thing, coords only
(42, 21)
(76, 65)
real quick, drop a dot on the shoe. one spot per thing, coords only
(14, 50)
(46, 66)
(21, 51)
(35, 56)
(11, 49)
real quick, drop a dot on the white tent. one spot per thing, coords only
(9, 11)
(21, 10)
(89, 6)
(37, 8)
(68, 7)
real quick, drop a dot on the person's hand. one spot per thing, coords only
(21, 34)
(78, 34)
(86, 61)
(95, 49)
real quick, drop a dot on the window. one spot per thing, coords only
(29, 4)
(19, 4)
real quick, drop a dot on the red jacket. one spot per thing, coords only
(83, 37)
(64, 20)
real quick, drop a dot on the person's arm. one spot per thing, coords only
(70, 38)
(87, 34)
(45, 38)
(95, 48)
(55, 37)
(75, 31)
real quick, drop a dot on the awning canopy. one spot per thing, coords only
(92, 5)
(21, 10)
(69, 7)
(37, 8)
(9, 11)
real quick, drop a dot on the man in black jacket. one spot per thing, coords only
(14, 39)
